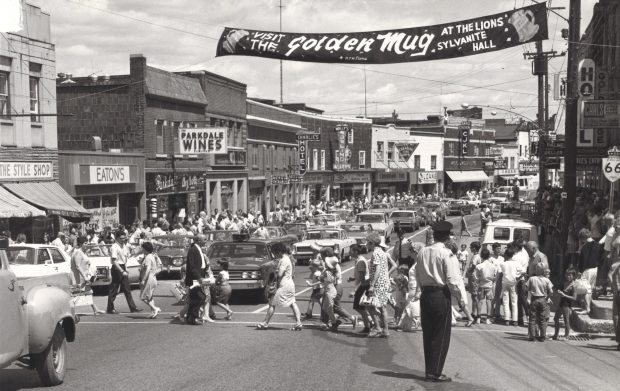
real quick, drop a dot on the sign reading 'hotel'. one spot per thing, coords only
(200, 141)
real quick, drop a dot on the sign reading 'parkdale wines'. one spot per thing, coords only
(196, 141)
(449, 40)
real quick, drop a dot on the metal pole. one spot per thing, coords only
(281, 78)
(365, 102)
(542, 123)
(570, 162)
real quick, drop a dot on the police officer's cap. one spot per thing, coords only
(442, 226)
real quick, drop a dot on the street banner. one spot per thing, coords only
(200, 141)
(449, 40)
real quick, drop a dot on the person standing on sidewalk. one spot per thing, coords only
(119, 253)
(437, 272)
(614, 277)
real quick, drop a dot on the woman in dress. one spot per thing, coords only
(285, 294)
(148, 282)
(80, 268)
(379, 290)
(223, 289)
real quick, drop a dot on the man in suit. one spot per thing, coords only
(438, 273)
(195, 267)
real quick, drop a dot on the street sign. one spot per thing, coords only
(586, 79)
(464, 129)
(600, 114)
(309, 137)
(611, 165)
(555, 149)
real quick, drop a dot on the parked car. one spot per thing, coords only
(251, 263)
(336, 238)
(276, 232)
(380, 222)
(328, 219)
(406, 219)
(440, 208)
(101, 262)
(456, 207)
(296, 228)
(38, 260)
(358, 231)
(37, 321)
(505, 231)
(425, 214)
(498, 197)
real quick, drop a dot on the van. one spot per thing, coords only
(505, 231)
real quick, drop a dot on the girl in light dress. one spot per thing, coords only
(223, 289)
(148, 282)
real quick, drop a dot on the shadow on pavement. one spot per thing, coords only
(419, 376)
(601, 347)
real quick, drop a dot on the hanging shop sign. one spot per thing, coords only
(496, 151)
(167, 183)
(526, 168)
(449, 40)
(303, 162)
(405, 150)
(342, 155)
(26, 170)
(600, 114)
(555, 149)
(500, 163)
(200, 141)
(427, 177)
(464, 129)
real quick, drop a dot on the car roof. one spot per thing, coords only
(175, 236)
(30, 246)
(511, 223)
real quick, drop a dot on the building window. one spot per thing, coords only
(175, 137)
(433, 162)
(512, 162)
(255, 156)
(322, 159)
(416, 161)
(4, 95)
(159, 136)
(34, 99)
(315, 159)
(451, 149)
(362, 159)
(476, 150)
(380, 146)
(390, 152)
(350, 136)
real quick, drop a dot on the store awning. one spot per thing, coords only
(11, 206)
(468, 176)
(51, 197)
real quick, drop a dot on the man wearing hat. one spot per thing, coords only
(437, 272)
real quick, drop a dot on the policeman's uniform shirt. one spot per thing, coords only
(437, 266)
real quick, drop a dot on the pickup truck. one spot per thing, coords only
(38, 319)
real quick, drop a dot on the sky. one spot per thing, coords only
(97, 37)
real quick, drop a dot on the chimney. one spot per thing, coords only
(96, 143)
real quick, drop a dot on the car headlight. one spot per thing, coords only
(245, 275)
(255, 274)
(177, 261)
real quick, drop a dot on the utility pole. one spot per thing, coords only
(570, 153)
(281, 78)
(365, 102)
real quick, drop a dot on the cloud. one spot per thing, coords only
(90, 40)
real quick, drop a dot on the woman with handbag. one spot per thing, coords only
(285, 294)
(362, 283)
(381, 267)
(82, 275)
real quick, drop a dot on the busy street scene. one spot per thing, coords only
(309, 195)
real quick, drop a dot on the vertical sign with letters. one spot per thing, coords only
(464, 129)
(302, 157)
(587, 82)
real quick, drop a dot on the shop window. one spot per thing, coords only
(433, 162)
(4, 95)
(91, 202)
(175, 136)
(362, 160)
(390, 152)
(108, 201)
(315, 159)
(451, 149)
(159, 136)
(34, 99)
(380, 151)
(512, 162)
(322, 159)
(255, 156)
(416, 161)
(476, 150)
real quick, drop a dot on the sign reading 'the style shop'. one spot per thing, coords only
(198, 141)
(449, 40)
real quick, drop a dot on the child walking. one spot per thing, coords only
(223, 289)
(399, 292)
(314, 280)
(540, 289)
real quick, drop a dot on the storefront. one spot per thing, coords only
(256, 198)
(351, 184)
(31, 202)
(176, 196)
(226, 191)
(467, 174)
(427, 182)
(391, 182)
(110, 186)
(315, 186)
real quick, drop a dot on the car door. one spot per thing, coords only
(61, 263)
(13, 336)
(44, 264)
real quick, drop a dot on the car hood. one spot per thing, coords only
(319, 242)
(379, 226)
(172, 252)
(240, 263)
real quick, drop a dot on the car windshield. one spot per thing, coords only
(274, 232)
(20, 256)
(238, 250)
(173, 242)
(295, 228)
(219, 236)
(379, 206)
(314, 235)
(369, 218)
(500, 194)
(97, 251)
(401, 214)
(355, 228)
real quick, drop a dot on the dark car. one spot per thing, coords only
(425, 215)
(406, 219)
(172, 250)
(298, 229)
(251, 263)
(280, 233)
(440, 208)
(456, 207)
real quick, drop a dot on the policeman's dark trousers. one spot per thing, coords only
(120, 283)
(436, 327)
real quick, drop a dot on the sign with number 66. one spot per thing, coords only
(611, 168)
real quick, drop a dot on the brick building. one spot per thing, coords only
(142, 112)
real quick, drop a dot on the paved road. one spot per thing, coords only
(131, 352)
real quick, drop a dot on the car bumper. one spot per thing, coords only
(241, 285)
(303, 256)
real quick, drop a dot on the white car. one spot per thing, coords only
(380, 222)
(38, 260)
(336, 238)
(471, 201)
(100, 263)
(498, 197)
(329, 219)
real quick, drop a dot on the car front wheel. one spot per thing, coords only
(50, 363)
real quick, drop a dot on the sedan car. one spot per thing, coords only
(101, 262)
(456, 207)
(406, 219)
(328, 219)
(472, 201)
(276, 232)
(379, 221)
(336, 238)
(358, 231)
(172, 250)
(296, 228)
(38, 260)
(440, 209)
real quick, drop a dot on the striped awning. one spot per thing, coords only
(12, 206)
(49, 196)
